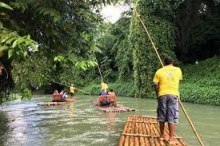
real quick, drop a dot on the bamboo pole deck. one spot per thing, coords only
(118, 108)
(144, 131)
(52, 103)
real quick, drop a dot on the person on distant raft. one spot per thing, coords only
(166, 83)
(112, 96)
(103, 92)
(103, 99)
(56, 96)
(104, 86)
(72, 90)
(63, 95)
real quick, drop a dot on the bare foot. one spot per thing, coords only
(173, 141)
(164, 138)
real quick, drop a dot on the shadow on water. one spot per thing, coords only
(81, 124)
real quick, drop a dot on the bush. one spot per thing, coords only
(201, 82)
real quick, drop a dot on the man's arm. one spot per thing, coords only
(156, 88)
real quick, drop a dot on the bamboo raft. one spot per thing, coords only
(144, 131)
(56, 103)
(118, 108)
(51, 103)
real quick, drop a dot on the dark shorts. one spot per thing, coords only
(71, 94)
(168, 109)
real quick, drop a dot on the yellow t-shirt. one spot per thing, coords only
(72, 89)
(168, 79)
(104, 86)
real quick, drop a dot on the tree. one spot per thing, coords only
(157, 16)
(197, 26)
(63, 31)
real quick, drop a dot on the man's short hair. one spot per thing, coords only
(168, 61)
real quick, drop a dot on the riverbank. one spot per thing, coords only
(200, 85)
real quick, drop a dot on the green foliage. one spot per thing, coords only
(11, 41)
(113, 51)
(86, 64)
(121, 88)
(6, 6)
(122, 47)
(64, 32)
(30, 73)
(157, 17)
(201, 82)
(26, 94)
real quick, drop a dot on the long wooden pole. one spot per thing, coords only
(184, 111)
(191, 124)
(102, 80)
(148, 34)
(68, 86)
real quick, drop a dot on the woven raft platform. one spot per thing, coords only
(118, 108)
(56, 103)
(144, 131)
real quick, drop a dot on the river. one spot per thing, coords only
(24, 123)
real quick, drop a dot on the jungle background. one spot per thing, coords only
(44, 44)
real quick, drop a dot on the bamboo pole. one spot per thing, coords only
(191, 124)
(126, 141)
(100, 73)
(144, 132)
(131, 136)
(148, 34)
(121, 140)
(185, 113)
(136, 141)
(68, 86)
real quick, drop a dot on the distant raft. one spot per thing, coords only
(54, 103)
(144, 131)
(51, 103)
(118, 108)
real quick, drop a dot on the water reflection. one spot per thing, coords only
(109, 117)
(70, 107)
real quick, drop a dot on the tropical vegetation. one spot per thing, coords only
(43, 43)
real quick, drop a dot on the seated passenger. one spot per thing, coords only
(103, 92)
(111, 95)
(63, 95)
(103, 99)
(111, 92)
(56, 96)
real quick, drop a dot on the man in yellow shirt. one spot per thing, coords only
(166, 83)
(72, 90)
(104, 86)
